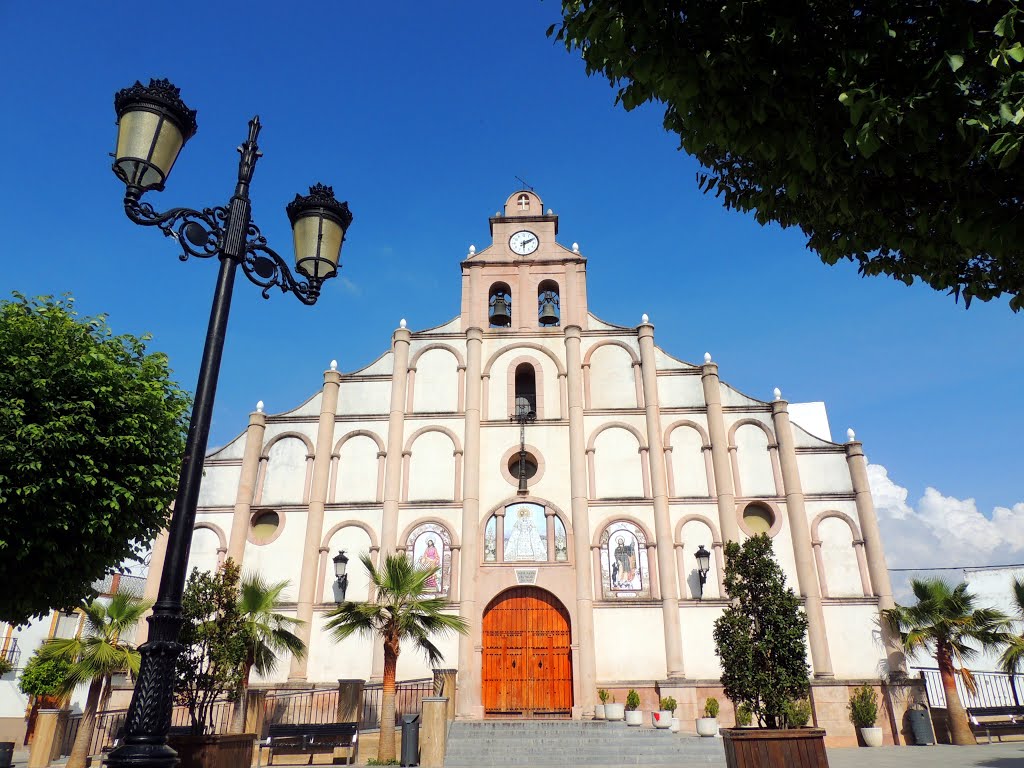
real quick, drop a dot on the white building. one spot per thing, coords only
(588, 579)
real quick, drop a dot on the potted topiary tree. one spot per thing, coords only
(633, 714)
(665, 717)
(708, 725)
(613, 711)
(797, 713)
(864, 714)
(760, 642)
(602, 694)
(743, 715)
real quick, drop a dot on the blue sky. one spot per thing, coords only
(421, 116)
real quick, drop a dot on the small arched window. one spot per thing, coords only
(548, 310)
(526, 392)
(499, 306)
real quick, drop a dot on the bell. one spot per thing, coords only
(548, 313)
(500, 314)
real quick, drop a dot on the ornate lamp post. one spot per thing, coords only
(524, 414)
(341, 577)
(153, 126)
(703, 566)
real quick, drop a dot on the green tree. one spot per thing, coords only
(1012, 660)
(92, 431)
(946, 624)
(401, 611)
(43, 676)
(759, 638)
(95, 656)
(213, 637)
(889, 133)
(267, 635)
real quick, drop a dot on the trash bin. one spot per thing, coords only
(6, 753)
(410, 739)
(921, 726)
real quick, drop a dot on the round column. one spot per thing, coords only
(247, 484)
(719, 452)
(396, 430)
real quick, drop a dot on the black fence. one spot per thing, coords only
(107, 728)
(992, 689)
(12, 653)
(409, 697)
(319, 705)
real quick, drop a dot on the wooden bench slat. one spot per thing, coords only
(312, 737)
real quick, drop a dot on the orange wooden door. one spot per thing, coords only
(527, 667)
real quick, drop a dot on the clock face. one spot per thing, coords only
(523, 242)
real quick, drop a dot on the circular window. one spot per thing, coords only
(264, 526)
(758, 519)
(530, 465)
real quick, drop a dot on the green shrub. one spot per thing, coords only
(632, 700)
(668, 704)
(5, 665)
(711, 707)
(864, 707)
(43, 677)
(602, 694)
(797, 713)
(743, 714)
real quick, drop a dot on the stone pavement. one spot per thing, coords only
(1005, 755)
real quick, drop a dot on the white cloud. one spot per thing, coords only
(941, 531)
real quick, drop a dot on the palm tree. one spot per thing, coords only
(946, 624)
(1012, 659)
(401, 610)
(267, 634)
(97, 654)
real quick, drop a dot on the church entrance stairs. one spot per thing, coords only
(576, 743)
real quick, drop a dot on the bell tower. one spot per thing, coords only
(524, 281)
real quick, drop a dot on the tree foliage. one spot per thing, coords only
(92, 431)
(759, 638)
(43, 676)
(1012, 660)
(890, 133)
(214, 641)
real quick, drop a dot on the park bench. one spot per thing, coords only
(998, 720)
(311, 738)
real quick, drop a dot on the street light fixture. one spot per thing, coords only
(340, 568)
(703, 565)
(153, 125)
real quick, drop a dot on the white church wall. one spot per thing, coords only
(612, 382)
(854, 640)
(356, 542)
(205, 542)
(733, 397)
(413, 666)
(618, 465)
(436, 386)
(811, 424)
(842, 572)
(603, 515)
(499, 406)
(696, 533)
(689, 468)
(330, 661)
(824, 473)
(680, 391)
(231, 451)
(309, 408)
(219, 485)
(281, 558)
(364, 396)
(550, 441)
(284, 480)
(756, 477)
(356, 477)
(697, 623)
(630, 643)
(665, 362)
(432, 468)
(382, 366)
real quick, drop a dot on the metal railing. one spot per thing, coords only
(409, 696)
(993, 689)
(12, 653)
(318, 705)
(107, 727)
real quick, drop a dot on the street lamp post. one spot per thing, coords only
(153, 126)
(703, 566)
(341, 577)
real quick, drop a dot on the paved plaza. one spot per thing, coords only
(1006, 755)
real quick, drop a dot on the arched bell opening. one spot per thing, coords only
(548, 309)
(526, 392)
(499, 306)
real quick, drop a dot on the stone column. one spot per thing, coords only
(720, 452)
(247, 483)
(40, 753)
(799, 530)
(523, 317)
(149, 592)
(315, 518)
(433, 732)
(469, 694)
(659, 491)
(580, 522)
(396, 433)
(874, 552)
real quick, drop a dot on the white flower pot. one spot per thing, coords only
(872, 736)
(599, 712)
(707, 726)
(634, 717)
(675, 725)
(614, 711)
(662, 718)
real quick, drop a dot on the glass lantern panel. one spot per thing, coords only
(312, 242)
(144, 135)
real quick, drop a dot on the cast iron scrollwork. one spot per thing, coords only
(199, 233)
(266, 268)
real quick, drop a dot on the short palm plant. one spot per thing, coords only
(96, 655)
(401, 611)
(268, 635)
(947, 624)
(1012, 660)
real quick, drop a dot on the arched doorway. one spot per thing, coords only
(526, 655)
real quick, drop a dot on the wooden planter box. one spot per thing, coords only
(229, 750)
(764, 748)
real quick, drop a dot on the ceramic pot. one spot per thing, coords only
(634, 717)
(675, 725)
(599, 712)
(872, 737)
(614, 711)
(707, 726)
(662, 718)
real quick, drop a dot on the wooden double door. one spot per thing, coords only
(527, 657)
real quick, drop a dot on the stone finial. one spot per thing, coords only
(851, 435)
(778, 393)
(334, 365)
(497, 213)
(472, 250)
(707, 358)
(259, 406)
(550, 212)
(401, 323)
(644, 318)
(575, 247)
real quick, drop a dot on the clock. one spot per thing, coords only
(523, 242)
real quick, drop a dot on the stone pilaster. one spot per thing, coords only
(468, 694)
(659, 492)
(315, 517)
(247, 484)
(719, 452)
(396, 435)
(799, 530)
(580, 521)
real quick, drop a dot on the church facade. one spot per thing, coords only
(561, 473)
